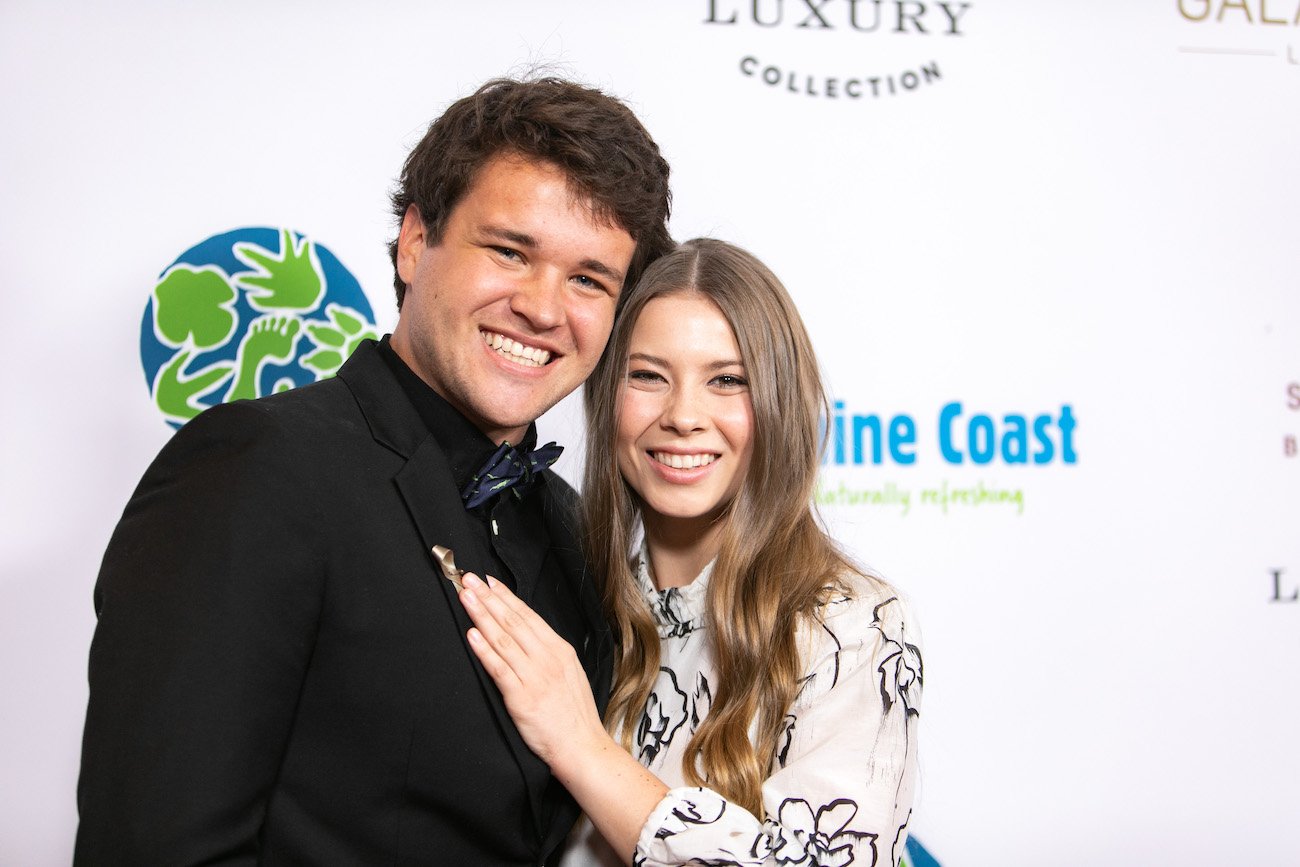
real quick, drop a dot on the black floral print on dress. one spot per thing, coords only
(664, 714)
(840, 783)
(803, 838)
(701, 701)
(901, 671)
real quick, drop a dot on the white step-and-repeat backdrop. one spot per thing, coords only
(1048, 251)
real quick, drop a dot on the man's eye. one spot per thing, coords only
(587, 283)
(506, 252)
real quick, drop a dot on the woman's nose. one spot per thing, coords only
(683, 413)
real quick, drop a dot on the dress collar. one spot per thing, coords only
(678, 610)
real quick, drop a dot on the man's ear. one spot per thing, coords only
(410, 244)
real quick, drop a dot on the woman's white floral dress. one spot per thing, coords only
(840, 787)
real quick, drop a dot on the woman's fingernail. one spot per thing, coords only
(469, 579)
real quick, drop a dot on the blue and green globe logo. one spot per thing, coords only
(248, 313)
(915, 855)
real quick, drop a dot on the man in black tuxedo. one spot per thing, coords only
(280, 672)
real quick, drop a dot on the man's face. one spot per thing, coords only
(511, 309)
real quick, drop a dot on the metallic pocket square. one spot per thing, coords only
(447, 561)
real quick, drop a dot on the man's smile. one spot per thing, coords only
(521, 353)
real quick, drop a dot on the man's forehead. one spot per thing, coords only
(580, 197)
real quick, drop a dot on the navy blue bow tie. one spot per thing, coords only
(509, 469)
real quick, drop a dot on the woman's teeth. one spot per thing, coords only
(528, 356)
(683, 462)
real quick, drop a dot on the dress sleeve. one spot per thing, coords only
(841, 785)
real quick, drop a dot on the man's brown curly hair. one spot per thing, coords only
(603, 150)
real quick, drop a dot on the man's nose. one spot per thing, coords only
(540, 300)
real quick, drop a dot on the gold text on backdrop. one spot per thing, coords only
(1199, 10)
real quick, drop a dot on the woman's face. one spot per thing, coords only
(686, 422)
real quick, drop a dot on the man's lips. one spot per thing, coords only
(520, 353)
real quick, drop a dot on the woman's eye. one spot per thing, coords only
(730, 380)
(644, 376)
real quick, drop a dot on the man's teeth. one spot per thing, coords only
(683, 462)
(530, 356)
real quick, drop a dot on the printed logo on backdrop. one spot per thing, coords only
(843, 50)
(999, 447)
(248, 313)
(916, 855)
(1284, 583)
(1291, 439)
(1242, 28)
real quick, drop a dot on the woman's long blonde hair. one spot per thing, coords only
(775, 561)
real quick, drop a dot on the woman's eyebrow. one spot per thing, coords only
(712, 365)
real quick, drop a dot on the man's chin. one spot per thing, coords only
(521, 406)
(512, 426)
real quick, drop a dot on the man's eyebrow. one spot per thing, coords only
(612, 274)
(519, 239)
(528, 242)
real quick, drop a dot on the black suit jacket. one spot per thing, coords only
(280, 672)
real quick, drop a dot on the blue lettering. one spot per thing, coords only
(1017, 435)
(1048, 451)
(839, 432)
(1012, 438)
(946, 416)
(980, 439)
(1067, 435)
(863, 422)
(902, 432)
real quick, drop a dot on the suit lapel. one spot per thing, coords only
(426, 486)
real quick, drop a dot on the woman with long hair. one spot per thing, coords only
(766, 689)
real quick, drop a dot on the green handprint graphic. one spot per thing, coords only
(268, 337)
(195, 306)
(174, 392)
(335, 344)
(290, 281)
